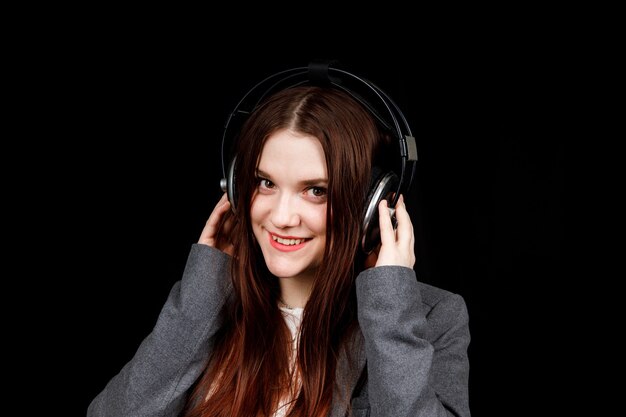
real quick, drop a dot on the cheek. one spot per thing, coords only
(316, 220)
(256, 219)
(257, 209)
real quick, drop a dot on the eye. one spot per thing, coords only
(265, 183)
(318, 192)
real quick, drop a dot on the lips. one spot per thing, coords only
(287, 243)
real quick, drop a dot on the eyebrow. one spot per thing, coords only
(312, 181)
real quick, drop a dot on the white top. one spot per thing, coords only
(293, 318)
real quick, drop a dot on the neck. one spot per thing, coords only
(294, 292)
(283, 304)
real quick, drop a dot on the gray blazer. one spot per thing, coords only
(413, 338)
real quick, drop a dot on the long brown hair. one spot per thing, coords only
(248, 372)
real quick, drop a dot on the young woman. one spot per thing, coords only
(279, 312)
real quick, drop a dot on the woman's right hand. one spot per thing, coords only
(218, 228)
(397, 246)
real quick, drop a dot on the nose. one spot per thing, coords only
(285, 212)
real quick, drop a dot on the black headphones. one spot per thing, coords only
(387, 185)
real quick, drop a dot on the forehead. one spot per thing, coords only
(290, 154)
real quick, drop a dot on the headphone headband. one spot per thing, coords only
(322, 73)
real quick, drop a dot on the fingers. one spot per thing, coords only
(222, 242)
(397, 246)
(387, 233)
(404, 233)
(216, 222)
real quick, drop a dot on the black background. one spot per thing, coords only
(140, 166)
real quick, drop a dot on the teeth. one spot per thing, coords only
(287, 242)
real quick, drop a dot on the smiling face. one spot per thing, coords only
(288, 211)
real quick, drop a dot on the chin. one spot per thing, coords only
(281, 270)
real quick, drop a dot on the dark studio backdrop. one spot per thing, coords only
(486, 204)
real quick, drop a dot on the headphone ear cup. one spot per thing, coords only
(383, 186)
(230, 184)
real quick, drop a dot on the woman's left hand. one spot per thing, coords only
(397, 246)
